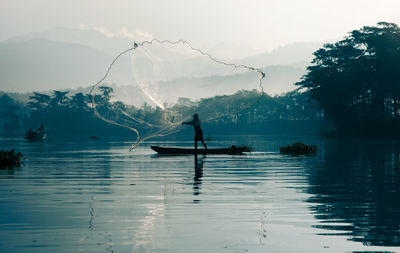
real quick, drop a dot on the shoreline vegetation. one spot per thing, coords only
(64, 115)
(10, 159)
(298, 149)
(356, 82)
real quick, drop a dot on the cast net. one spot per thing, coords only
(168, 83)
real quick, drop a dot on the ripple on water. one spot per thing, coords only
(97, 197)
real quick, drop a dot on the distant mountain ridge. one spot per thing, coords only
(279, 80)
(65, 58)
(89, 38)
(41, 64)
(297, 54)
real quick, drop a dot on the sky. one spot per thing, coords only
(259, 24)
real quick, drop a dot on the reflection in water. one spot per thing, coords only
(198, 175)
(97, 197)
(92, 214)
(357, 189)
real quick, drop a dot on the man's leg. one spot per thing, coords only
(195, 144)
(204, 144)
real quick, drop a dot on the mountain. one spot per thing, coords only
(297, 54)
(89, 38)
(41, 64)
(63, 58)
(231, 51)
(279, 79)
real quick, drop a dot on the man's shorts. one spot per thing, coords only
(198, 136)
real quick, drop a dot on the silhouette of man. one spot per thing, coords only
(198, 133)
(40, 130)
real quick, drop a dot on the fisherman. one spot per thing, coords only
(40, 130)
(198, 133)
(29, 134)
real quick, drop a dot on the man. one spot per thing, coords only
(198, 133)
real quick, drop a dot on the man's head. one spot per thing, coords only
(195, 116)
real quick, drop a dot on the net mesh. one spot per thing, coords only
(170, 81)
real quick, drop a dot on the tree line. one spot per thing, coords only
(73, 115)
(356, 81)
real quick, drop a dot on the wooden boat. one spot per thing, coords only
(38, 135)
(233, 150)
(35, 136)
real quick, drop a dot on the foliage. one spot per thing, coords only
(356, 80)
(298, 148)
(65, 115)
(10, 159)
(11, 113)
(243, 112)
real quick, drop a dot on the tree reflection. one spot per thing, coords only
(356, 190)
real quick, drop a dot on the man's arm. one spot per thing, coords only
(188, 123)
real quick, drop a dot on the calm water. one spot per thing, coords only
(95, 196)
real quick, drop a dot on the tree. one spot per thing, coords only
(106, 92)
(356, 80)
(39, 101)
(59, 99)
(80, 101)
(9, 115)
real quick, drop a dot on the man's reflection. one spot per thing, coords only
(198, 174)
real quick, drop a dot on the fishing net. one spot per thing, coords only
(168, 83)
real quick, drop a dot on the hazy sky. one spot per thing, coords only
(261, 24)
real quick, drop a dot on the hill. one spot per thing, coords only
(64, 58)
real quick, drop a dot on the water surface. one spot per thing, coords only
(95, 196)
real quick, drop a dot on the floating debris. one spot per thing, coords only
(10, 159)
(298, 148)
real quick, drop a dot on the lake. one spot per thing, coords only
(96, 196)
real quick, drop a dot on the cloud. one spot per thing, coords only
(101, 30)
(123, 32)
